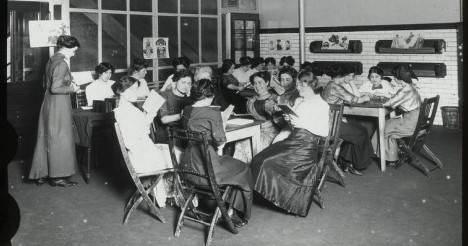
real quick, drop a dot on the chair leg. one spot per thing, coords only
(223, 210)
(416, 162)
(214, 220)
(326, 169)
(180, 221)
(135, 203)
(318, 198)
(432, 156)
(334, 167)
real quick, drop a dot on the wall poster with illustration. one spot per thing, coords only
(279, 45)
(44, 33)
(155, 48)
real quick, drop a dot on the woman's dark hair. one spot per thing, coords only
(137, 65)
(102, 68)
(263, 74)
(335, 71)
(291, 71)
(67, 41)
(123, 84)
(182, 74)
(287, 59)
(201, 89)
(376, 70)
(304, 73)
(270, 60)
(256, 61)
(245, 60)
(181, 61)
(227, 64)
(307, 66)
(405, 73)
(348, 69)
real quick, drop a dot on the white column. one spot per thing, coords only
(301, 32)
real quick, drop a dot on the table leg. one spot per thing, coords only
(382, 138)
(88, 169)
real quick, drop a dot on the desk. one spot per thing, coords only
(372, 110)
(251, 130)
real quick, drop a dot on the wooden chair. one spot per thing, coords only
(141, 194)
(329, 152)
(190, 190)
(410, 146)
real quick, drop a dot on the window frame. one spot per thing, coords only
(66, 10)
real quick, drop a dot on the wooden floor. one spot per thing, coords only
(397, 207)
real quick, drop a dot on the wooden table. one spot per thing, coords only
(372, 110)
(251, 130)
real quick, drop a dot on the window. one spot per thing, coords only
(113, 31)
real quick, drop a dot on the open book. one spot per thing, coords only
(153, 103)
(286, 109)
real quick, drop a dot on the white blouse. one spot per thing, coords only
(314, 114)
(143, 90)
(99, 90)
(387, 89)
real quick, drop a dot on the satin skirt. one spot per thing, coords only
(287, 172)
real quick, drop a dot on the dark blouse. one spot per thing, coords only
(174, 104)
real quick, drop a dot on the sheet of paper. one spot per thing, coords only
(153, 103)
(227, 112)
(81, 78)
(239, 121)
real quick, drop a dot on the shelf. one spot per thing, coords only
(355, 46)
(434, 70)
(430, 46)
(357, 65)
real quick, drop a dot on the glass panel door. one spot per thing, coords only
(244, 36)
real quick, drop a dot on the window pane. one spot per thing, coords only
(89, 4)
(209, 37)
(209, 7)
(83, 26)
(163, 74)
(189, 6)
(167, 6)
(141, 5)
(167, 28)
(114, 40)
(140, 27)
(189, 38)
(114, 4)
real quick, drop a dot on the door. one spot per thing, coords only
(245, 39)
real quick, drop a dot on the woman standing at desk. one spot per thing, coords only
(202, 117)
(54, 157)
(408, 100)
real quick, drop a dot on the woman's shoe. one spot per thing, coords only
(62, 182)
(41, 181)
(352, 170)
(238, 222)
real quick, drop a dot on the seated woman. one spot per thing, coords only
(202, 117)
(376, 86)
(145, 156)
(286, 173)
(230, 88)
(408, 100)
(356, 150)
(180, 63)
(138, 71)
(177, 98)
(100, 88)
(349, 79)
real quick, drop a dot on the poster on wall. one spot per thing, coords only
(44, 33)
(155, 48)
(279, 45)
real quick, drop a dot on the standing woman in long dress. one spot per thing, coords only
(54, 157)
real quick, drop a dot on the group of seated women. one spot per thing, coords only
(286, 169)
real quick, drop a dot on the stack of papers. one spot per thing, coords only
(239, 121)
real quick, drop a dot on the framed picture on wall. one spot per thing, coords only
(44, 33)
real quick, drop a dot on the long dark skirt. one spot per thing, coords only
(227, 171)
(287, 172)
(356, 147)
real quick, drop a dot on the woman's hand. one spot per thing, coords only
(75, 87)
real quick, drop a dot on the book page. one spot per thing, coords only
(227, 112)
(81, 78)
(153, 103)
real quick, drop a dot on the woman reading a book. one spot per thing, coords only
(134, 124)
(262, 107)
(201, 117)
(177, 98)
(356, 150)
(286, 173)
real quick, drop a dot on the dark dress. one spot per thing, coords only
(287, 172)
(227, 170)
(231, 96)
(173, 105)
(54, 154)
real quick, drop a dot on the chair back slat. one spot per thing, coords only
(427, 113)
(124, 151)
(336, 115)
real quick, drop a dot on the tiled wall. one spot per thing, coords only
(446, 87)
